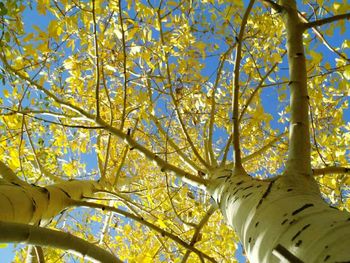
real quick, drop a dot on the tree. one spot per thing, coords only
(122, 141)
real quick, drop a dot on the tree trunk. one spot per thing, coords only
(283, 219)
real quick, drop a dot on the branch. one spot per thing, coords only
(330, 170)
(324, 21)
(39, 236)
(164, 166)
(36, 159)
(192, 165)
(176, 105)
(264, 148)
(235, 91)
(226, 150)
(97, 62)
(189, 178)
(141, 220)
(124, 64)
(122, 159)
(321, 37)
(213, 102)
(47, 92)
(258, 87)
(258, 152)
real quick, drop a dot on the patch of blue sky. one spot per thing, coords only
(6, 253)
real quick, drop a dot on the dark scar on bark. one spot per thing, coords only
(65, 192)
(34, 204)
(250, 186)
(268, 190)
(247, 195)
(240, 182)
(301, 209)
(284, 221)
(300, 231)
(286, 254)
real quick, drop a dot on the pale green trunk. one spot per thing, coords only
(280, 213)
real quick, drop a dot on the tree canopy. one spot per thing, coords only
(144, 99)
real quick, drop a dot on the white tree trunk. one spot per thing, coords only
(285, 219)
(270, 216)
(25, 207)
(31, 204)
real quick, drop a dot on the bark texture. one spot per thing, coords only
(282, 213)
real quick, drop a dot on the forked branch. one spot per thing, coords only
(164, 166)
(322, 38)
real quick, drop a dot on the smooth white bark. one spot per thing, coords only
(284, 213)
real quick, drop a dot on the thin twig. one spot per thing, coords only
(258, 87)
(314, 135)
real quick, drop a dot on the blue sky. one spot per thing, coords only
(6, 253)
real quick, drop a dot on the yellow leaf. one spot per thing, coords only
(161, 223)
(6, 93)
(276, 58)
